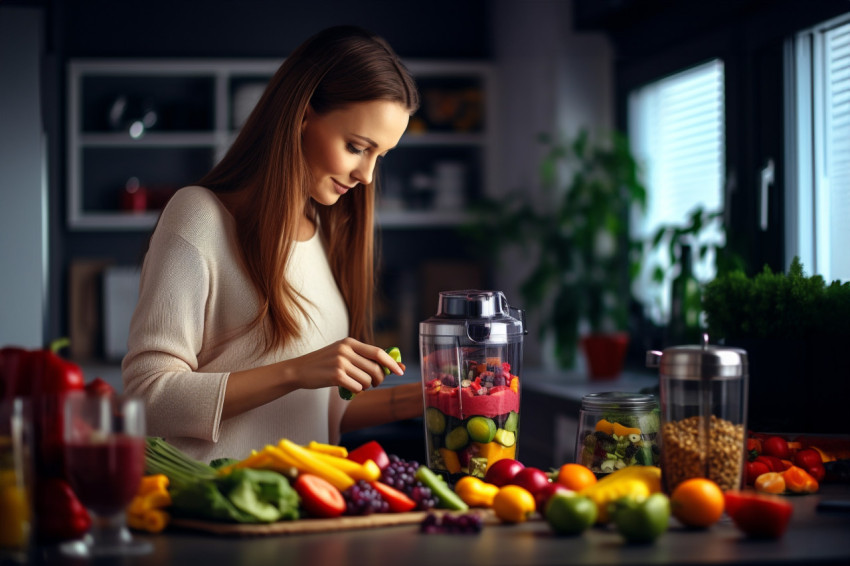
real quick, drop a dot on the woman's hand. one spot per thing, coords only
(348, 363)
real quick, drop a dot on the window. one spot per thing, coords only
(818, 63)
(676, 129)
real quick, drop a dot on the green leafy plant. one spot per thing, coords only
(577, 234)
(776, 305)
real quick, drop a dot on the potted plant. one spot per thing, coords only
(795, 329)
(576, 234)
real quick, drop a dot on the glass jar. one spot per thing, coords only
(616, 430)
(703, 414)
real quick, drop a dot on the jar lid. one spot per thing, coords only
(619, 400)
(476, 316)
(700, 362)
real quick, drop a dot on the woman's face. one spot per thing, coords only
(343, 146)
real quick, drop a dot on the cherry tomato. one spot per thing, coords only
(754, 470)
(772, 462)
(778, 447)
(318, 497)
(810, 460)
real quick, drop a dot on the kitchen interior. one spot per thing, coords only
(81, 188)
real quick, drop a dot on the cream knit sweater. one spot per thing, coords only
(191, 329)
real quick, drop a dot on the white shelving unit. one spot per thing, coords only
(101, 157)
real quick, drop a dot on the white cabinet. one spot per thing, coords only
(140, 129)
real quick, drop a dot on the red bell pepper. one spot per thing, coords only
(46, 379)
(59, 514)
(758, 515)
(370, 451)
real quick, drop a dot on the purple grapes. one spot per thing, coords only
(400, 474)
(363, 499)
(461, 524)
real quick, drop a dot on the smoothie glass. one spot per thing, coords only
(105, 461)
(471, 356)
(15, 480)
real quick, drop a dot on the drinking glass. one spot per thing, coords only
(105, 461)
(15, 480)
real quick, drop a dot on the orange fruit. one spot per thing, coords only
(697, 502)
(575, 477)
(513, 504)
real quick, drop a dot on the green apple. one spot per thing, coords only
(570, 513)
(641, 519)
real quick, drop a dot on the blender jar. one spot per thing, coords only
(617, 430)
(471, 356)
(703, 414)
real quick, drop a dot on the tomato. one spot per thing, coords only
(398, 501)
(758, 515)
(754, 446)
(370, 451)
(697, 502)
(570, 514)
(810, 460)
(772, 462)
(754, 470)
(532, 479)
(575, 476)
(777, 446)
(318, 497)
(503, 471)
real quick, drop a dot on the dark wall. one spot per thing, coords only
(149, 29)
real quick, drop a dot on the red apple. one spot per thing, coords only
(503, 471)
(542, 496)
(532, 479)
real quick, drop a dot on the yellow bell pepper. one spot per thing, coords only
(476, 492)
(368, 471)
(307, 461)
(145, 511)
(494, 452)
(330, 449)
(636, 481)
(451, 460)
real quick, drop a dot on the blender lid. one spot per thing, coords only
(699, 362)
(479, 315)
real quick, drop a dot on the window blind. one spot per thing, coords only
(676, 129)
(837, 137)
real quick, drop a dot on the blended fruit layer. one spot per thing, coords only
(462, 402)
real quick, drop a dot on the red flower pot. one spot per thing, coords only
(605, 354)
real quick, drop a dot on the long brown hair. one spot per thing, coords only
(334, 68)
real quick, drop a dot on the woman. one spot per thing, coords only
(256, 291)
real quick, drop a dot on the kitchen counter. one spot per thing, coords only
(813, 537)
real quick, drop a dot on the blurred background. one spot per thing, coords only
(108, 107)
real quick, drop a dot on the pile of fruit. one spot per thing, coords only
(777, 465)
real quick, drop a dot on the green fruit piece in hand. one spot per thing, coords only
(505, 437)
(435, 421)
(570, 514)
(345, 393)
(395, 354)
(457, 438)
(512, 422)
(641, 519)
(481, 429)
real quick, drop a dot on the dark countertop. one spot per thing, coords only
(812, 537)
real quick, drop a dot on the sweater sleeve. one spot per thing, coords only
(166, 335)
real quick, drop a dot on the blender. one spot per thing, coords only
(471, 358)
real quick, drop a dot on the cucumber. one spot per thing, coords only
(448, 498)
(481, 429)
(458, 438)
(505, 437)
(394, 353)
(345, 393)
(512, 421)
(435, 421)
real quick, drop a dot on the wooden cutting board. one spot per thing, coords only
(310, 525)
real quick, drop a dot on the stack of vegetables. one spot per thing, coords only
(281, 482)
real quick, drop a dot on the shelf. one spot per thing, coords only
(197, 102)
